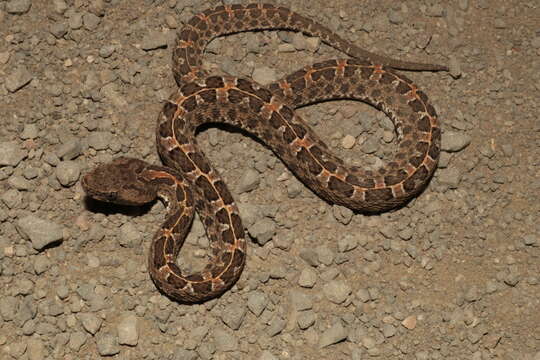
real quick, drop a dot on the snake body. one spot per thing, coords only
(189, 183)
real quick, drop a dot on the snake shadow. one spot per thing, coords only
(106, 208)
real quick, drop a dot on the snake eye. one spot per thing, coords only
(112, 196)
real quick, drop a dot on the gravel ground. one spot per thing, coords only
(454, 275)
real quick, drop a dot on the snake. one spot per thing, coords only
(188, 183)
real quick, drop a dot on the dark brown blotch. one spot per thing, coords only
(182, 160)
(422, 95)
(316, 152)
(165, 129)
(170, 221)
(316, 76)
(419, 176)
(305, 158)
(203, 287)
(180, 193)
(169, 109)
(158, 259)
(338, 185)
(436, 135)
(244, 85)
(345, 87)
(194, 277)
(169, 246)
(424, 124)
(228, 236)
(296, 75)
(416, 160)
(256, 13)
(214, 18)
(283, 13)
(209, 191)
(208, 96)
(223, 192)
(224, 258)
(164, 181)
(386, 78)
(296, 19)
(182, 224)
(416, 105)
(238, 259)
(395, 178)
(287, 113)
(434, 151)
(223, 216)
(264, 94)
(229, 275)
(366, 72)
(180, 136)
(348, 71)
(328, 74)
(232, 114)
(377, 195)
(190, 88)
(252, 123)
(298, 85)
(185, 35)
(216, 270)
(235, 96)
(376, 93)
(360, 90)
(176, 281)
(189, 104)
(330, 166)
(237, 225)
(403, 88)
(406, 130)
(422, 147)
(255, 104)
(330, 88)
(288, 135)
(275, 120)
(364, 182)
(405, 144)
(214, 82)
(299, 130)
(431, 110)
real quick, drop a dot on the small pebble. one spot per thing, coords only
(348, 142)
(127, 328)
(409, 322)
(264, 75)
(18, 6)
(40, 232)
(333, 335)
(337, 291)
(454, 141)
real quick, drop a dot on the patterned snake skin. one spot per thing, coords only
(190, 183)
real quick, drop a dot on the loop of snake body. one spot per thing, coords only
(189, 183)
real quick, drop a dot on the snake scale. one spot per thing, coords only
(188, 183)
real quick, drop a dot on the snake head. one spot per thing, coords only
(119, 182)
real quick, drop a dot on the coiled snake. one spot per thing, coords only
(188, 182)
